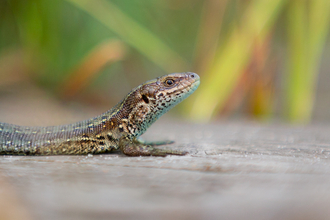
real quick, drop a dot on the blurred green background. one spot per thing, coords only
(256, 58)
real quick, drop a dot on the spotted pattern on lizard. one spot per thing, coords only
(118, 128)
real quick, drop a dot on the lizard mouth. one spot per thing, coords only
(191, 83)
(195, 84)
(186, 86)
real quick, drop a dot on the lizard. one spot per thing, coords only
(117, 129)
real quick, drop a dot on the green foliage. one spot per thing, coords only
(308, 26)
(229, 43)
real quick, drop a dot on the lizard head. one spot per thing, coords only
(156, 97)
(164, 92)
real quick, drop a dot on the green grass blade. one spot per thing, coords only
(133, 33)
(222, 77)
(307, 31)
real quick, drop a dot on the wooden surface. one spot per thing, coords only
(235, 170)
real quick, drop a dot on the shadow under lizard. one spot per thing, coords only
(118, 128)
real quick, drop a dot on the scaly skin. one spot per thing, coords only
(117, 128)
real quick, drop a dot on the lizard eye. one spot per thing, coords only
(169, 82)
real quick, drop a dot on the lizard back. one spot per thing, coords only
(130, 118)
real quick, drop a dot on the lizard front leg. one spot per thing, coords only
(133, 147)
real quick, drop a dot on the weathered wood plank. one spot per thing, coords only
(233, 171)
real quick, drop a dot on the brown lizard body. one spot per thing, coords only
(117, 128)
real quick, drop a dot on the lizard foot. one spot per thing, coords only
(136, 148)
